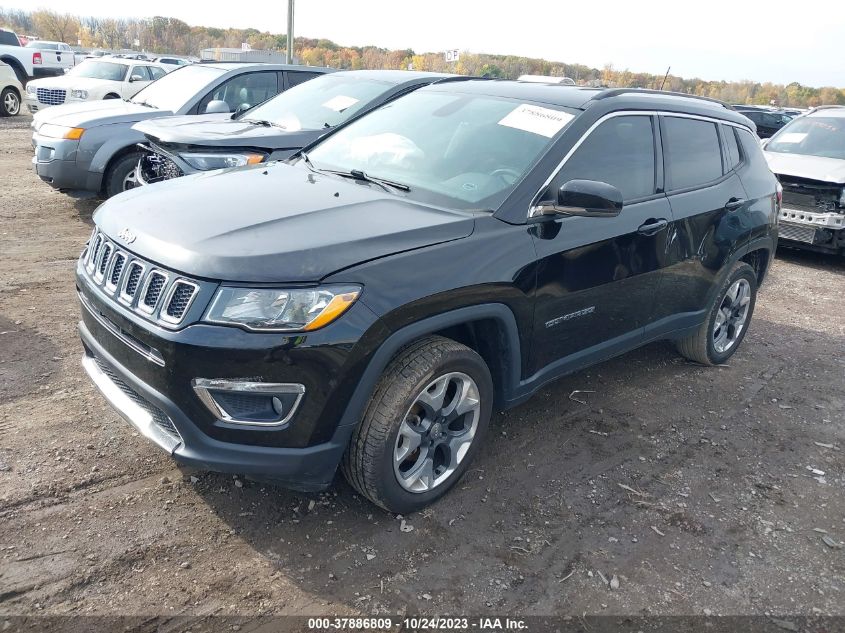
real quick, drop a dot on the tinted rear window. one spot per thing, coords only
(8, 38)
(693, 155)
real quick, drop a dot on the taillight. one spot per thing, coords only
(36, 58)
(780, 196)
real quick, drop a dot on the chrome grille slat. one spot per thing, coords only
(136, 271)
(178, 300)
(152, 292)
(51, 96)
(116, 268)
(153, 286)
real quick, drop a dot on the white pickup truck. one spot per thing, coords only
(18, 57)
(56, 58)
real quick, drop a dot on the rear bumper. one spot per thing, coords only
(158, 419)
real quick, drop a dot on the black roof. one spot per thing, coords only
(582, 97)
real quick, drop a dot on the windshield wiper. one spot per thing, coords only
(357, 174)
(144, 103)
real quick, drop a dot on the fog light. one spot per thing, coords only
(249, 403)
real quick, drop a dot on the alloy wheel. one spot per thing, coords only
(130, 181)
(11, 103)
(436, 433)
(731, 316)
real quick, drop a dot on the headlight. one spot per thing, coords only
(212, 160)
(30, 89)
(61, 131)
(302, 309)
(79, 94)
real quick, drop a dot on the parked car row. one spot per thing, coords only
(93, 80)
(350, 270)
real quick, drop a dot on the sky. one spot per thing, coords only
(775, 41)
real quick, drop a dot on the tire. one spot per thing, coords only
(10, 102)
(398, 407)
(120, 174)
(711, 347)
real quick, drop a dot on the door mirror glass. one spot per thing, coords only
(588, 197)
(217, 106)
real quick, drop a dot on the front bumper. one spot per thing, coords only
(155, 394)
(55, 162)
(158, 419)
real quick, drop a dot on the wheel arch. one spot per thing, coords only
(489, 329)
(16, 65)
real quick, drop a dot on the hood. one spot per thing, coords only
(293, 225)
(222, 131)
(804, 166)
(92, 113)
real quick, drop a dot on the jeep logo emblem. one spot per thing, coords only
(127, 236)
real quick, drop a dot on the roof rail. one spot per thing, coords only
(826, 107)
(615, 92)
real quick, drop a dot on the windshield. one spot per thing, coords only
(463, 150)
(813, 136)
(173, 91)
(318, 103)
(100, 70)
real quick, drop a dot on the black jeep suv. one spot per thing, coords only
(368, 304)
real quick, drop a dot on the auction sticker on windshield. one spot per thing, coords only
(537, 120)
(340, 103)
(792, 137)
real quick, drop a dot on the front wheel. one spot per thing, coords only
(727, 321)
(121, 175)
(424, 423)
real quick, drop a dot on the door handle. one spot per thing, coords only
(653, 226)
(734, 204)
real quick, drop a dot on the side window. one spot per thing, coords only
(619, 152)
(247, 89)
(156, 72)
(140, 71)
(734, 157)
(691, 152)
(295, 78)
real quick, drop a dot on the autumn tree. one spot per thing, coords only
(60, 27)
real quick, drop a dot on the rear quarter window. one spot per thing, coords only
(755, 174)
(732, 146)
(692, 154)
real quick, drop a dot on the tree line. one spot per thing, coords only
(169, 35)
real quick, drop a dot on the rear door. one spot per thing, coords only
(597, 277)
(708, 202)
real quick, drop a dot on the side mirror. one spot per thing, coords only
(136, 78)
(217, 107)
(586, 198)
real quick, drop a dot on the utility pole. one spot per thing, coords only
(290, 32)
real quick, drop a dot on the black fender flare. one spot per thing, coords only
(409, 333)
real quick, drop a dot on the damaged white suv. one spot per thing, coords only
(808, 158)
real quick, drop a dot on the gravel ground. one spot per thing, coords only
(691, 485)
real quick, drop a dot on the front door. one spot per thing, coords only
(598, 278)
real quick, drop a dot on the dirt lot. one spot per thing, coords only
(691, 485)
